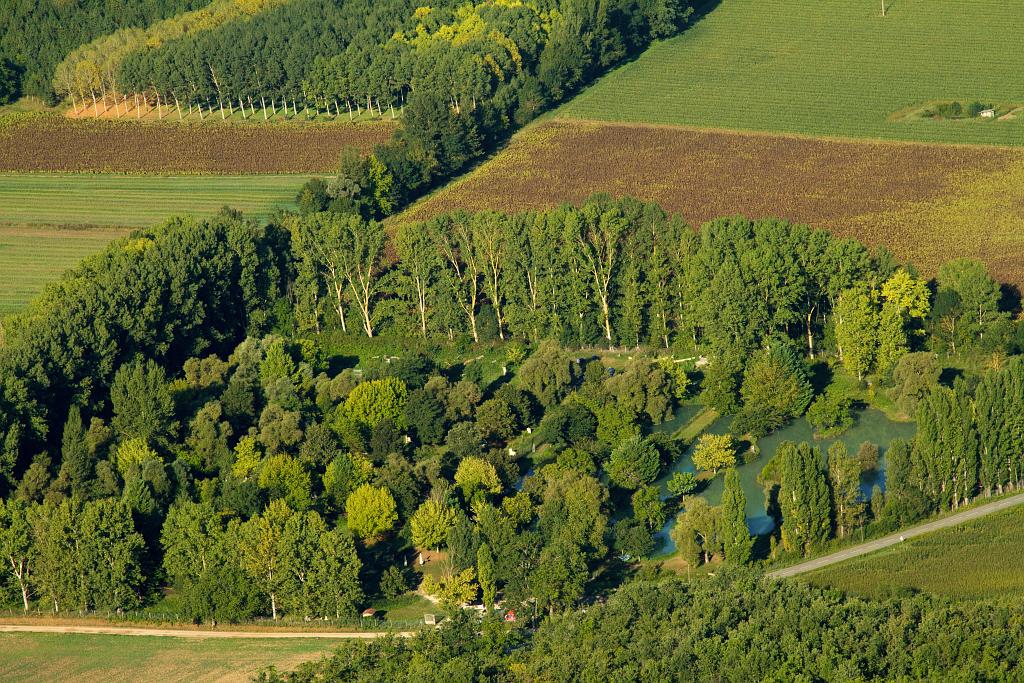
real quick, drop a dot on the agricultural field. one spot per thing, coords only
(828, 69)
(63, 657)
(135, 201)
(33, 256)
(49, 142)
(924, 202)
(979, 560)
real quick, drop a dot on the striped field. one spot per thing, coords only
(980, 559)
(73, 657)
(48, 223)
(135, 201)
(828, 68)
(33, 256)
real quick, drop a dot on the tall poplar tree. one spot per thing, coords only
(803, 497)
(736, 541)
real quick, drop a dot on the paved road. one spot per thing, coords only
(184, 633)
(893, 539)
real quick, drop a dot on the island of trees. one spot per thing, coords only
(273, 419)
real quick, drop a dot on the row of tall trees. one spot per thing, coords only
(968, 441)
(617, 272)
(38, 34)
(93, 69)
(372, 56)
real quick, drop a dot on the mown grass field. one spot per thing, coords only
(75, 657)
(48, 223)
(49, 142)
(979, 560)
(927, 203)
(31, 257)
(120, 200)
(826, 68)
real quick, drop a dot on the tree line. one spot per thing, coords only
(192, 379)
(206, 57)
(462, 76)
(734, 626)
(38, 34)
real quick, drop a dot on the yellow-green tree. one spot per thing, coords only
(714, 451)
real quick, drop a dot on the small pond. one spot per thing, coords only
(869, 425)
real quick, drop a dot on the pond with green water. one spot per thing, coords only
(870, 425)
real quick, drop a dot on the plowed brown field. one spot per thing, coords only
(53, 143)
(927, 203)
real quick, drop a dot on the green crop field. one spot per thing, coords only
(33, 256)
(982, 559)
(134, 201)
(67, 657)
(828, 68)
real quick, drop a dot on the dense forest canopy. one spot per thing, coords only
(733, 627)
(38, 34)
(184, 410)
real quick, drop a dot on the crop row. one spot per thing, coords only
(52, 143)
(924, 202)
(982, 559)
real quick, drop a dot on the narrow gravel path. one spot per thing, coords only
(899, 536)
(184, 633)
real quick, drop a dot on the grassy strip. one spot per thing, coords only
(64, 657)
(32, 256)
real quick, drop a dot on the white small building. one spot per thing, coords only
(987, 113)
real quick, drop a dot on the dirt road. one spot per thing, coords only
(185, 633)
(898, 537)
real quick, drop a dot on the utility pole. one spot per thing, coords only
(883, 8)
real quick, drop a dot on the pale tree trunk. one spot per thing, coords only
(339, 301)
(362, 285)
(810, 333)
(18, 568)
(421, 301)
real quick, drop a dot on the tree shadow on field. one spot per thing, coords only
(701, 8)
(1010, 299)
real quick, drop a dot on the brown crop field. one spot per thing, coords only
(52, 143)
(927, 203)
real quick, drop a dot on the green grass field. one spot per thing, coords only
(135, 201)
(67, 657)
(33, 256)
(827, 68)
(979, 560)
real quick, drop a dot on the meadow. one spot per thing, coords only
(64, 657)
(33, 256)
(926, 203)
(48, 223)
(827, 68)
(135, 201)
(979, 560)
(49, 142)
